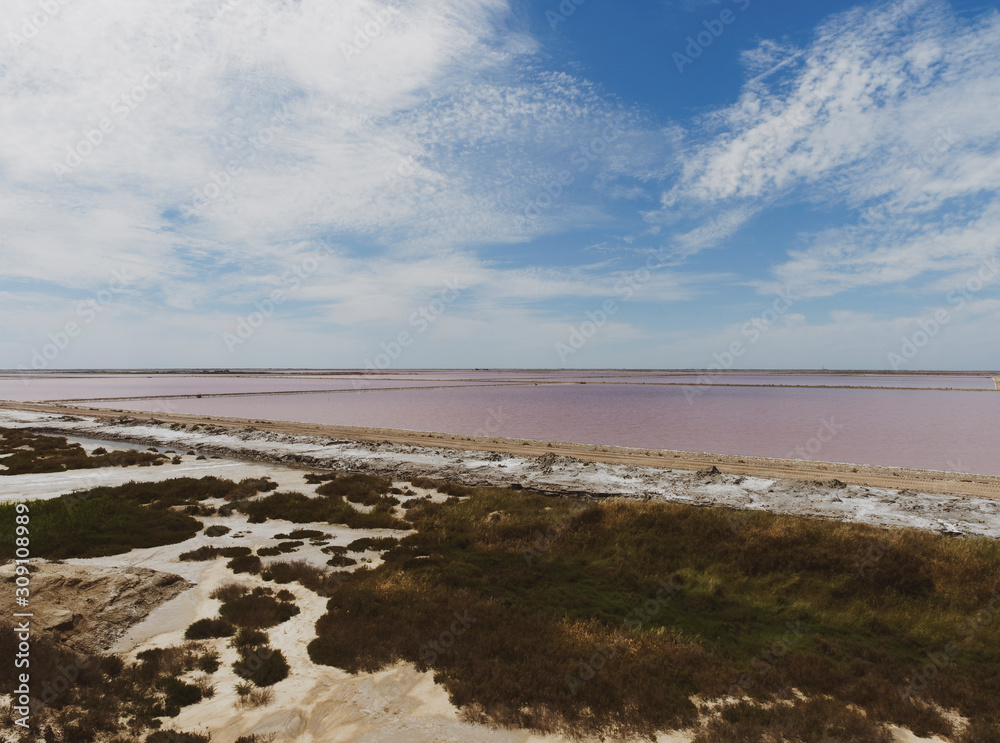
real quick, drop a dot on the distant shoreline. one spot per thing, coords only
(898, 478)
(491, 383)
(240, 372)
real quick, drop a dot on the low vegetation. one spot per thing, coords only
(376, 544)
(245, 564)
(264, 666)
(256, 608)
(208, 552)
(173, 736)
(357, 488)
(341, 561)
(247, 637)
(303, 534)
(35, 453)
(251, 697)
(112, 520)
(204, 629)
(542, 612)
(249, 487)
(446, 487)
(93, 525)
(316, 579)
(301, 509)
(89, 698)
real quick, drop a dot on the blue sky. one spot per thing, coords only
(269, 183)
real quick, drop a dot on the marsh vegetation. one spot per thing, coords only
(553, 614)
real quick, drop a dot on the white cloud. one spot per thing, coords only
(888, 112)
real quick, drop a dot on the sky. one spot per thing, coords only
(499, 183)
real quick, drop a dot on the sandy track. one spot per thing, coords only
(927, 481)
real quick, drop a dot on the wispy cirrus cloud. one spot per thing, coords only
(208, 146)
(886, 116)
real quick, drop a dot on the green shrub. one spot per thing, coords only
(75, 527)
(199, 510)
(204, 629)
(208, 552)
(447, 487)
(209, 662)
(249, 487)
(316, 579)
(229, 591)
(31, 452)
(554, 581)
(376, 544)
(264, 666)
(248, 637)
(245, 564)
(257, 610)
(808, 720)
(357, 488)
(301, 509)
(180, 693)
(340, 561)
(217, 530)
(171, 736)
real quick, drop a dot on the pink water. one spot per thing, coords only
(51, 387)
(80, 386)
(926, 429)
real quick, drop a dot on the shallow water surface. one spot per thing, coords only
(922, 428)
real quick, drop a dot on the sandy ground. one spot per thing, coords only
(318, 704)
(936, 501)
(88, 608)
